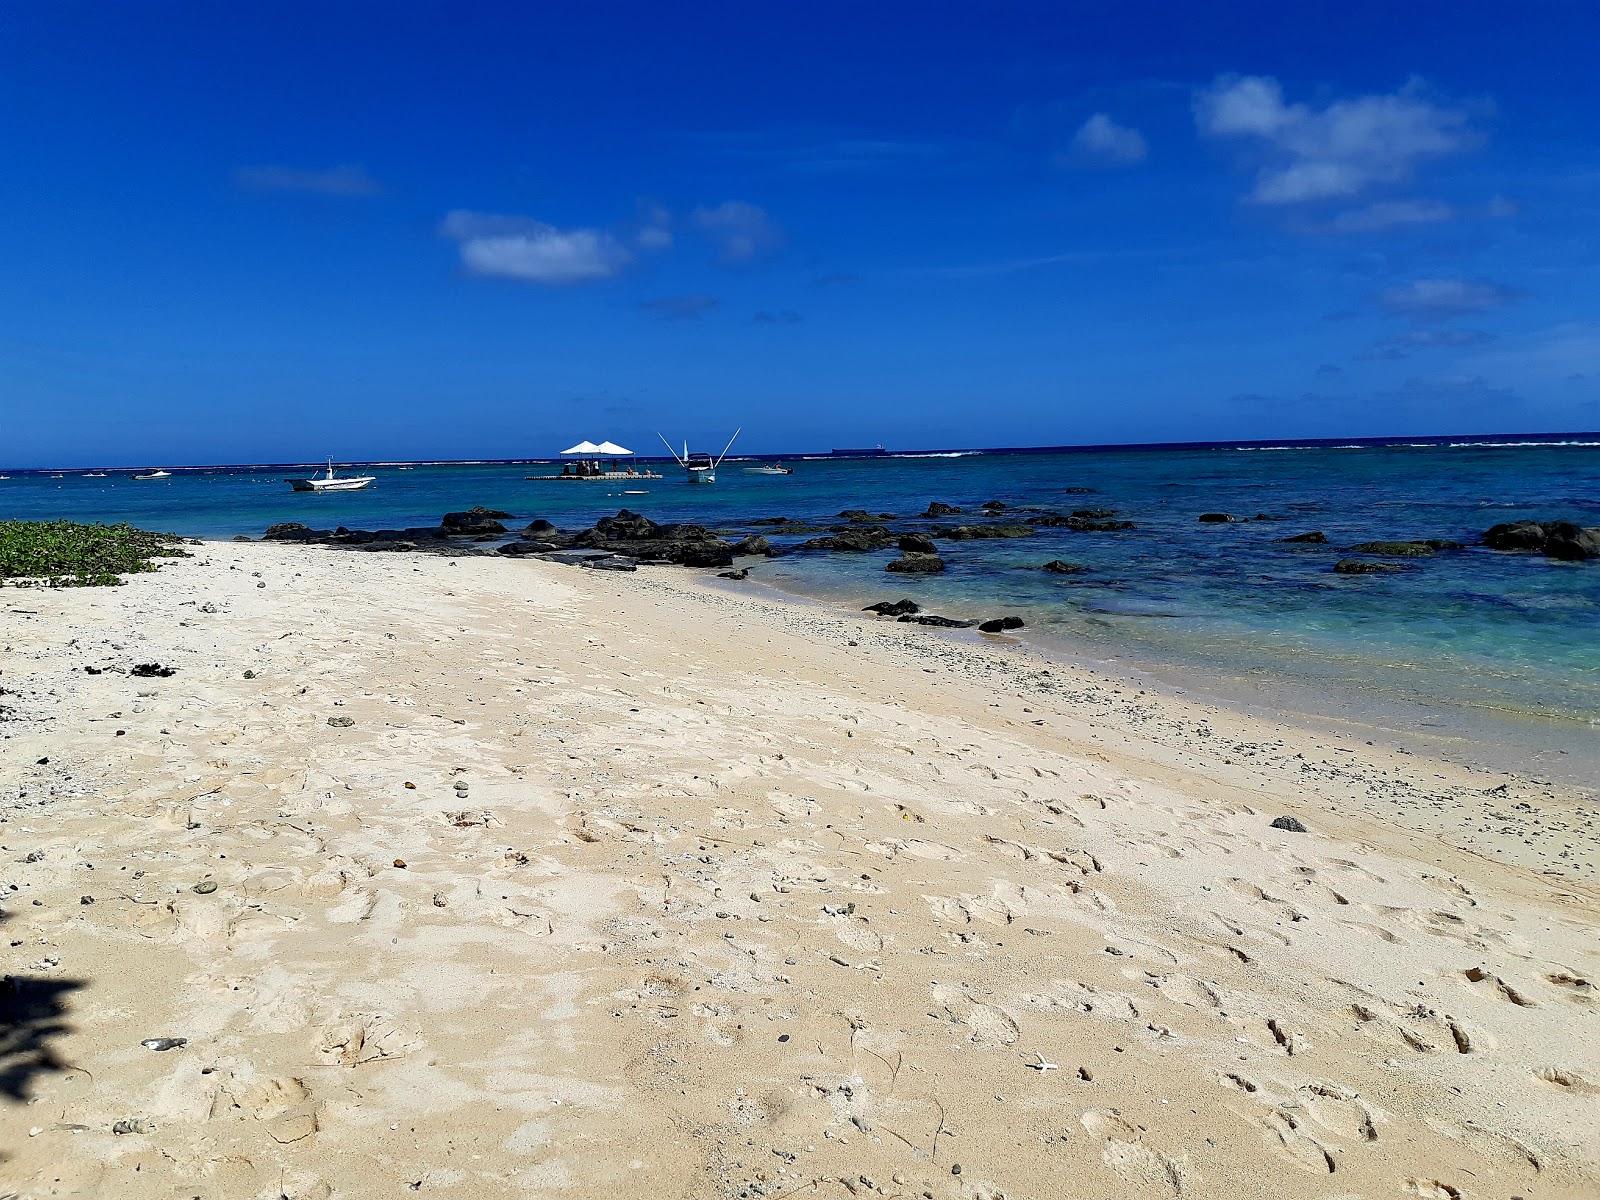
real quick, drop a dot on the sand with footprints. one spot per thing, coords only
(532, 881)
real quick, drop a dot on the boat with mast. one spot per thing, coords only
(701, 468)
(155, 474)
(331, 482)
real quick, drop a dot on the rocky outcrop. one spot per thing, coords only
(940, 509)
(967, 533)
(916, 564)
(1218, 518)
(753, 544)
(1056, 567)
(1094, 514)
(1395, 549)
(1080, 524)
(1316, 537)
(1565, 540)
(1357, 566)
(939, 622)
(915, 543)
(857, 540)
(992, 506)
(475, 520)
(540, 531)
(892, 608)
(1079, 491)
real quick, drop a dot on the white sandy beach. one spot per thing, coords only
(618, 885)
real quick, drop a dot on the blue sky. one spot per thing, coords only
(255, 233)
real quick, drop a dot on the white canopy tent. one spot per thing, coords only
(609, 448)
(585, 447)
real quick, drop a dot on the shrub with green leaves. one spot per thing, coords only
(70, 554)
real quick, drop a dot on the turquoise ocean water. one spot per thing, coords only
(1473, 642)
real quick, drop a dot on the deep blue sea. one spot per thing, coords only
(1476, 639)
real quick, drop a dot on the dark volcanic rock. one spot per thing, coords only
(1316, 537)
(892, 608)
(1511, 535)
(1080, 524)
(1571, 542)
(1289, 824)
(773, 521)
(940, 622)
(540, 531)
(1056, 567)
(1094, 514)
(741, 573)
(967, 533)
(243, 537)
(861, 516)
(475, 520)
(992, 505)
(915, 543)
(611, 562)
(917, 564)
(857, 540)
(1079, 491)
(1217, 518)
(293, 531)
(940, 509)
(753, 544)
(1565, 540)
(1395, 549)
(1355, 566)
(517, 548)
(1000, 625)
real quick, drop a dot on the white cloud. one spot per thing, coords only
(1333, 152)
(742, 232)
(512, 247)
(1101, 140)
(1436, 299)
(346, 180)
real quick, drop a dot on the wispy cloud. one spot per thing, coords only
(1404, 345)
(741, 232)
(346, 180)
(655, 227)
(1334, 152)
(513, 247)
(1452, 392)
(680, 308)
(1389, 214)
(1101, 142)
(1440, 299)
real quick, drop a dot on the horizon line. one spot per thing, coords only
(1386, 440)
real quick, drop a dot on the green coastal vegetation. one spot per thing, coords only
(72, 554)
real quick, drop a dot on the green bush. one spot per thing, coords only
(69, 554)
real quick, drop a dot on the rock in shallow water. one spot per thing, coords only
(1565, 540)
(1356, 566)
(916, 564)
(1000, 625)
(892, 608)
(940, 622)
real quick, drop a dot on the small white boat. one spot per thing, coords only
(771, 469)
(701, 468)
(94, 474)
(154, 475)
(331, 482)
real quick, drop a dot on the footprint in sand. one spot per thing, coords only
(1495, 986)
(1122, 1149)
(356, 1038)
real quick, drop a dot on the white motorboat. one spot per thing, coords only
(158, 474)
(771, 469)
(331, 482)
(701, 468)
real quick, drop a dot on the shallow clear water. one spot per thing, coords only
(1472, 629)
